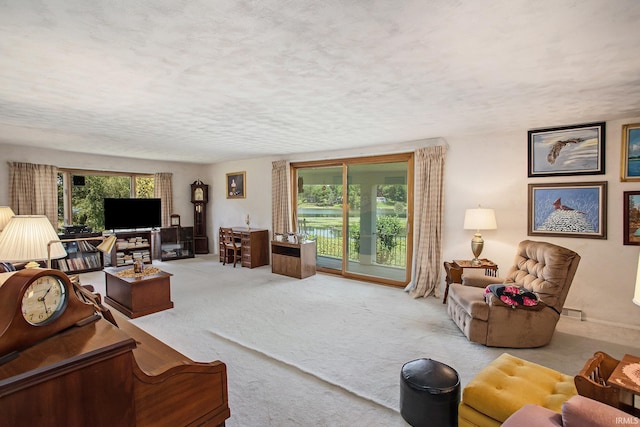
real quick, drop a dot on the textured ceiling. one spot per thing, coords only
(214, 80)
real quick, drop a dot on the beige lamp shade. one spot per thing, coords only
(636, 295)
(5, 215)
(26, 238)
(480, 219)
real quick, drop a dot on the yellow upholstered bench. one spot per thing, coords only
(506, 385)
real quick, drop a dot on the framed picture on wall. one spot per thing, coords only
(576, 209)
(236, 185)
(631, 221)
(568, 150)
(630, 153)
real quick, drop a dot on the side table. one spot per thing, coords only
(627, 386)
(454, 270)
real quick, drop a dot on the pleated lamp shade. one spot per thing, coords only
(5, 215)
(25, 238)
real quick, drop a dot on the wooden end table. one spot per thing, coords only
(454, 269)
(626, 385)
(137, 296)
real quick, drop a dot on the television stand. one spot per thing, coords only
(130, 246)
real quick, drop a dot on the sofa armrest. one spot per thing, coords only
(580, 411)
(481, 281)
(531, 415)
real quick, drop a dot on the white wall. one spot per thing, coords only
(183, 173)
(490, 170)
(225, 212)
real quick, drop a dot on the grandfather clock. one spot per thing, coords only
(199, 198)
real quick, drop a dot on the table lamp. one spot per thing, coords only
(25, 239)
(5, 215)
(479, 219)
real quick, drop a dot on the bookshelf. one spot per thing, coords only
(130, 246)
(82, 256)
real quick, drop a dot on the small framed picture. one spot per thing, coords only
(175, 220)
(576, 209)
(236, 185)
(630, 153)
(568, 150)
(631, 222)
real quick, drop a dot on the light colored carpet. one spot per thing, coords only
(325, 351)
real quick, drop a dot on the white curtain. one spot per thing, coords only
(33, 190)
(163, 189)
(280, 190)
(429, 208)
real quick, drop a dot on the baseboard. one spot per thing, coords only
(615, 324)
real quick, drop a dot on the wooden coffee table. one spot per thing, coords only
(137, 296)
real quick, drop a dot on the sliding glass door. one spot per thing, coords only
(377, 224)
(320, 212)
(359, 212)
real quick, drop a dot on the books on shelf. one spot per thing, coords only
(131, 243)
(127, 258)
(85, 262)
(81, 254)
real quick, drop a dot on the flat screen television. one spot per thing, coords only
(132, 213)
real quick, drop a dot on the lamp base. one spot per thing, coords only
(477, 244)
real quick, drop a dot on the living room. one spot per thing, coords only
(486, 158)
(502, 188)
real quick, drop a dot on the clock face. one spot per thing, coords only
(44, 300)
(198, 194)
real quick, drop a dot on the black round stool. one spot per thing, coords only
(429, 394)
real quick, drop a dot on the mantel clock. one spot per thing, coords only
(36, 304)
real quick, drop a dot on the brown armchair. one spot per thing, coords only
(539, 267)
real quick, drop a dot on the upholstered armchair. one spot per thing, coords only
(544, 269)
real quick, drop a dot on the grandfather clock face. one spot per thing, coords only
(199, 192)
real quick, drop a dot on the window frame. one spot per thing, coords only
(67, 215)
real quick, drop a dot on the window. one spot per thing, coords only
(80, 194)
(358, 211)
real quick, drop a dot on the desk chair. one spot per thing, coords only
(230, 246)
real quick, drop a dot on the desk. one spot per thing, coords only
(255, 246)
(620, 380)
(454, 270)
(137, 296)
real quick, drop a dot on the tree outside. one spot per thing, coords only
(87, 206)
